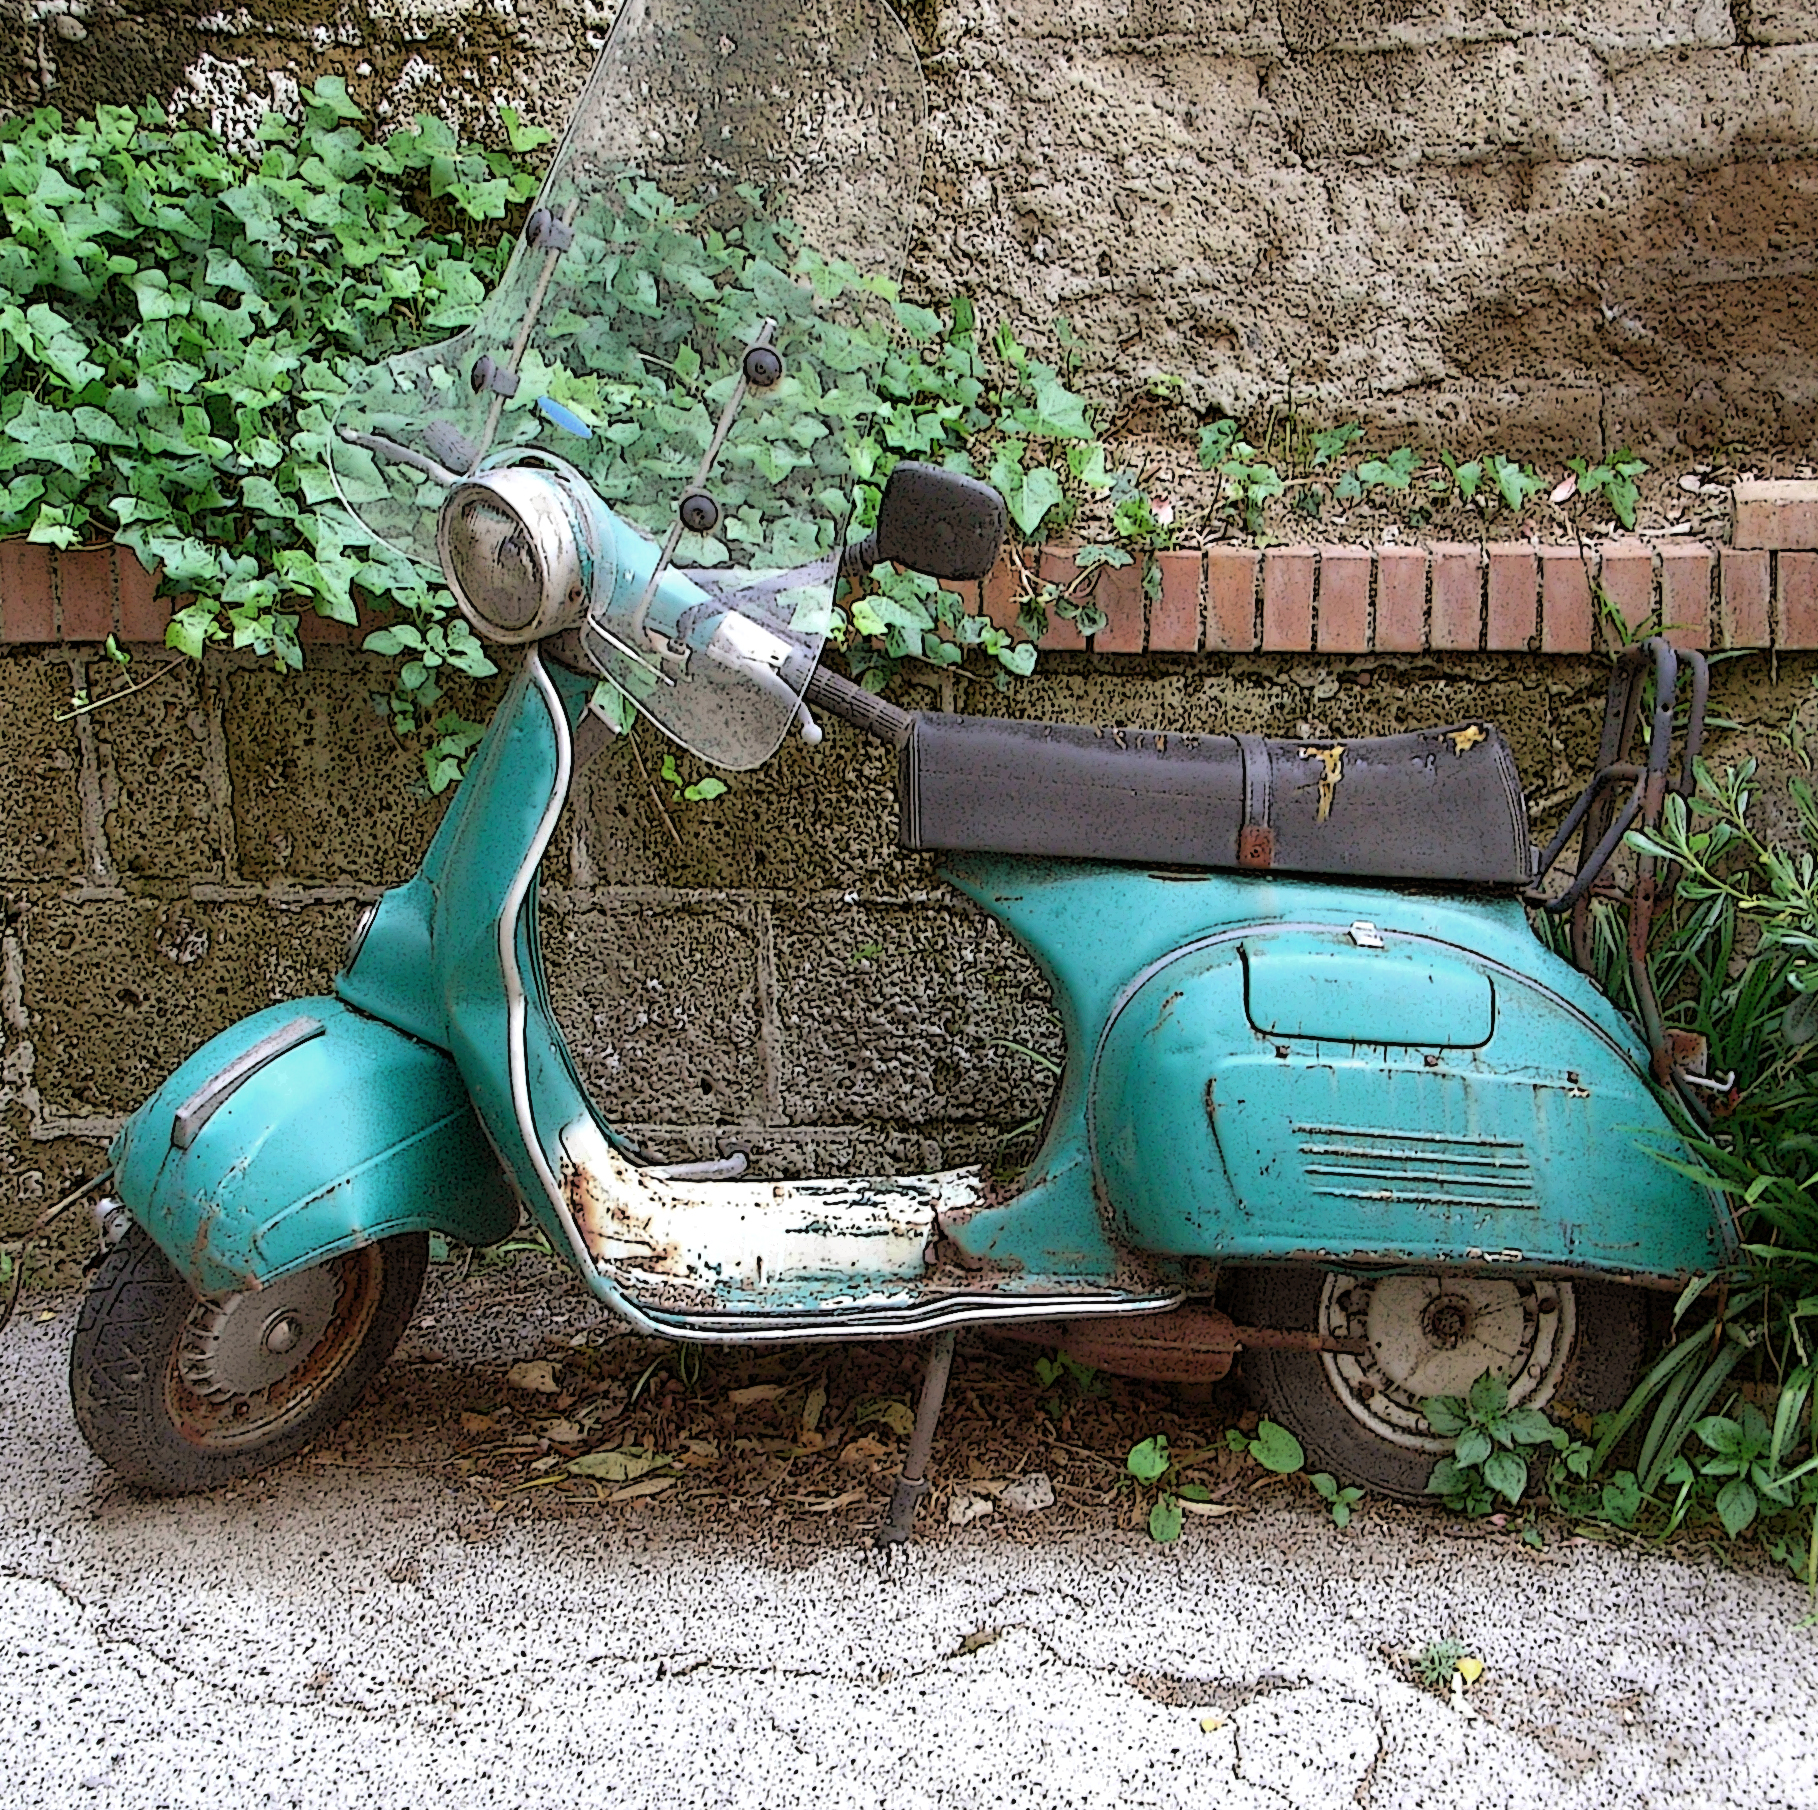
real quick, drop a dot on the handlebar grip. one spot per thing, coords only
(853, 704)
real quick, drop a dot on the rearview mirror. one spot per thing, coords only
(936, 522)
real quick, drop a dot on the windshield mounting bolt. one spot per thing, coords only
(544, 232)
(699, 512)
(486, 375)
(763, 368)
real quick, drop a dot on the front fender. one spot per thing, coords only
(278, 1145)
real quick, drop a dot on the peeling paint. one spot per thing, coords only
(1332, 761)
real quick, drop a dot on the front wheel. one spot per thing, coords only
(1557, 1345)
(176, 1394)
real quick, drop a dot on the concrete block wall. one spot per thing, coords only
(767, 968)
(1544, 227)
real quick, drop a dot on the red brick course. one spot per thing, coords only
(1119, 593)
(1457, 596)
(1797, 600)
(1513, 602)
(1059, 567)
(1344, 600)
(1685, 592)
(1174, 615)
(1231, 599)
(1401, 599)
(1626, 577)
(1287, 612)
(1451, 597)
(1745, 585)
(1565, 602)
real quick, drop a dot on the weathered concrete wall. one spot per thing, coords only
(1543, 225)
(767, 967)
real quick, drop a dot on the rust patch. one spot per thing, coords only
(1186, 1345)
(607, 1228)
(1256, 846)
(1275, 1338)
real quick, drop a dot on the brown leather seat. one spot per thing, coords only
(1436, 805)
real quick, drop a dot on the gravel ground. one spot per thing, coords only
(361, 1628)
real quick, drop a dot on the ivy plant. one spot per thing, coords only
(182, 320)
(179, 321)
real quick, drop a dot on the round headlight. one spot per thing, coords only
(510, 543)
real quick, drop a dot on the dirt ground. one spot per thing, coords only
(1691, 499)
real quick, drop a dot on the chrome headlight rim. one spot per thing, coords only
(540, 504)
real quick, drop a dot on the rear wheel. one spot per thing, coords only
(176, 1394)
(1558, 1345)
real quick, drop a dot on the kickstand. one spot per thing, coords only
(912, 1486)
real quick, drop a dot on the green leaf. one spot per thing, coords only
(1528, 1426)
(1148, 1460)
(330, 94)
(1333, 441)
(920, 324)
(1165, 1520)
(1621, 1499)
(1448, 1479)
(1474, 1446)
(1276, 1449)
(1736, 1506)
(522, 138)
(1489, 1396)
(1041, 491)
(1393, 473)
(1446, 1415)
(1216, 442)
(1506, 1473)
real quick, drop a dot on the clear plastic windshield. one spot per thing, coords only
(692, 320)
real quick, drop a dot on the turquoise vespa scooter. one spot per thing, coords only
(1326, 1099)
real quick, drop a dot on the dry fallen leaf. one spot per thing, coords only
(863, 1451)
(1470, 1668)
(646, 1486)
(813, 1408)
(1210, 1508)
(536, 1375)
(560, 1432)
(1211, 1724)
(898, 1416)
(618, 1466)
(821, 1505)
(478, 1423)
(979, 1637)
(744, 1398)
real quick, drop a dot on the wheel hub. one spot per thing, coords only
(1447, 1321)
(245, 1344)
(1435, 1335)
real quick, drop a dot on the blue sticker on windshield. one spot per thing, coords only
(564, 418)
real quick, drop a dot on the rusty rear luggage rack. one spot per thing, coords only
(1603, 824)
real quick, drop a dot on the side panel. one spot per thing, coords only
(1255, 1110)
(1541, 1146)
(348, 1136)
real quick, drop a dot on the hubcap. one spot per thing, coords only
(246, 1369)
(1435, 1335)
(246, 1343)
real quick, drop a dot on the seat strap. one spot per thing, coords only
(1256, 840)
